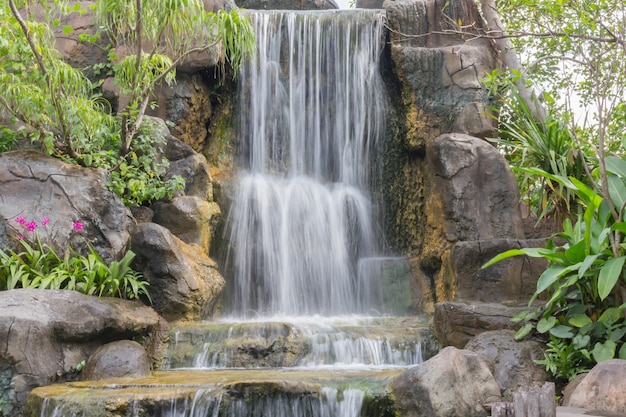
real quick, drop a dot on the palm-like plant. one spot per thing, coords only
(549, 146)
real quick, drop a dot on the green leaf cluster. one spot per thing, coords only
(584, 284)
(547, 145)
(39, 265)
(58, 108)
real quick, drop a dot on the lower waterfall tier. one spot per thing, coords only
(217, 393)
(301, 342)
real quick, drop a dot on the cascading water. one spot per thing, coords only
(312, 114)
(303, 337)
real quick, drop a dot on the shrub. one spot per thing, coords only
(584, 284)
(39, 265)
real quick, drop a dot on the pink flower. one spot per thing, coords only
(31, 226)
(21, 237)
(78, 226)
(20, 219)
(45, 221)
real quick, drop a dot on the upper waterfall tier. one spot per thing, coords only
(303, 219)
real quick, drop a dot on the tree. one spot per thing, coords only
(58, 107)
(575, 51)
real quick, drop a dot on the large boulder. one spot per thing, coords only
(602, 389)
(287, 4)
(511, 362)
(191, 219)
(46, 334)
(452, 383)
(37, 186)
(184, 282)
(473, 197)
(120, 359)
(513, 279)
(455, 323)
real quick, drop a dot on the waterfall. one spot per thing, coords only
(311, 116)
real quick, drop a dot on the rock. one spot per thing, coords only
(186, 104)
(602, 389)
(45, 334)
(511, 363)
(121, 359)
(37, 186)
(184, 281)
(79, 54)
(513, 279)
(452, 383)
(190, 218)
(287, 4)
(475, 192)
(472, 197)
(369, 4)
(455, 323)
(217, 5)
(195, 171)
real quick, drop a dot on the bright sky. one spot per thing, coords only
(343, 4)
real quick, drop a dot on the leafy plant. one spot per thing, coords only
(584, 285)
(527, 144)
(41, 266)
(58, 105)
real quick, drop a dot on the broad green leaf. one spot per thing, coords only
(562, 332)
(581, 341)
(617, 191)
(609, 274)
(592, 197)
(616, 165)
(586, 264)
(546, 324)
(619, 226)
(622, 351)
(580, 320)
(611, 315)
(617, 334)
(552, 274)
(532, 252)
(604, 351)
(523, 331)
(576, 253)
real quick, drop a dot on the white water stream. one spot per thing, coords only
(304, 266)
(312, 115)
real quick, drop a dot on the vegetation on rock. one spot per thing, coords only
(570, 167)
(59, 108)
(39, 265)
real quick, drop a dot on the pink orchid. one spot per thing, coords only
(78, 226)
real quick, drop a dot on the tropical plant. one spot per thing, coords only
(58, 106)
(584, 285)
(160, 35)
(40, 265)
(548, 145)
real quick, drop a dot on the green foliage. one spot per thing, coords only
(39, 265)
(528, 144)
(58, 106)
(139, 177)
(576, 51)
(584, 284)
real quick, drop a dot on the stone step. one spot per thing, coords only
(316, 341)
(239, 392)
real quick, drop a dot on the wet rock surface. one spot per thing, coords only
(46, 334)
